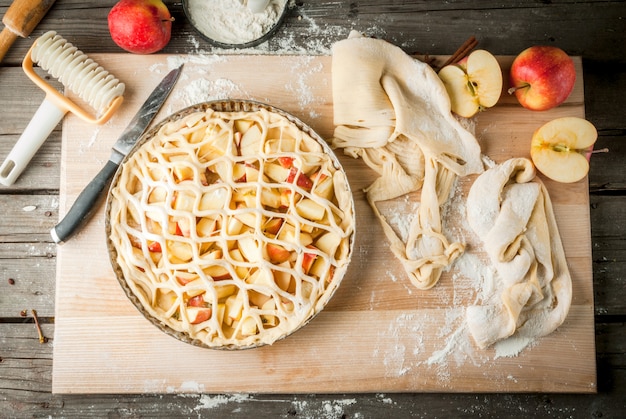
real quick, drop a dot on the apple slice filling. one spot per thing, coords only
(240, 226)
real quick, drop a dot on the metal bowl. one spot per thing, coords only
(215, 41)
(224, 106)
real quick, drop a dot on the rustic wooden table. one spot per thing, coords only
(594, 30)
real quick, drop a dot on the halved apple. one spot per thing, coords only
(560, 148)
(473, 84)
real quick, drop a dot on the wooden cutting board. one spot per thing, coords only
(378, 334)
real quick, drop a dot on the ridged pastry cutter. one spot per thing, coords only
(79, 73)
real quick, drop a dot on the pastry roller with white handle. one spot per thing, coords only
(79, 73)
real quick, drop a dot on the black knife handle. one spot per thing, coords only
(84, 204)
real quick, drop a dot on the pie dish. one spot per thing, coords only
(230, 224)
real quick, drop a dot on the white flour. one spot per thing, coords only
(203, 83)
(230, 22)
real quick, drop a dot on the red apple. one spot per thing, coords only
(542, 77)
(140, 26)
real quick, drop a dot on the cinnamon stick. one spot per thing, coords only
(463, 50)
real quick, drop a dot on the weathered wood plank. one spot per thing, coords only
(31, 218)
(33, 398)
(313, 26)
(20, 98)
(42, 173)
(605, 82)
(27, 278)
(17, 110)
(25, 363)
(606, 171)
(609, 253)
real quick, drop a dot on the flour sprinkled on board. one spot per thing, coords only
(512, 346)
(205, 90)
(301, 88)
(207, 80)
(401, 359)
(474, 280)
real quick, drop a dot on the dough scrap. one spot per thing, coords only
(511, 212)
(393, 111)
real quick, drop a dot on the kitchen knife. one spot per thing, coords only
(86, 201)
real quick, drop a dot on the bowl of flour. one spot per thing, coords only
(235, 23)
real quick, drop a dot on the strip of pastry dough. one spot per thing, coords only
(510, 210)
(393, 111)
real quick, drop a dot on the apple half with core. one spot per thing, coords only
(140, 26)
(561, 148)
(542, 77)
(473, 84)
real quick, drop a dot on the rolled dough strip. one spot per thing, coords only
(510, 210)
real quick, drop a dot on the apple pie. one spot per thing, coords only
(231, 225)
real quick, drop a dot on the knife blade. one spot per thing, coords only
(84, 205)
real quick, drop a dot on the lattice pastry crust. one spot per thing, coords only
(231, 228)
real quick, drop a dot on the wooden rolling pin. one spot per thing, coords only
(20, 20)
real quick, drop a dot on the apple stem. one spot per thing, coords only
(514, 88)
(601, 150)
